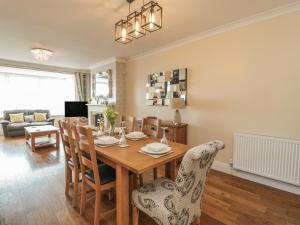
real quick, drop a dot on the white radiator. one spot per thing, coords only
(271, 157)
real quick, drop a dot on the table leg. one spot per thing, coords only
(122, 194)
(26, 136)
(57, 140)
(33, 142)
(170, 170)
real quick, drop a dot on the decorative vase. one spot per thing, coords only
(111, 129)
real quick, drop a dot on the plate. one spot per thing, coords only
(106, 140)
(135, 137)
(149, 151)
(156, 147)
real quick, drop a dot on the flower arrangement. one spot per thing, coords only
(111, 117)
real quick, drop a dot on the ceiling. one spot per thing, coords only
(81, 32)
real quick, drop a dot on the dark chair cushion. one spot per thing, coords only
(107, 174)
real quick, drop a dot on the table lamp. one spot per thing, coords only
(177, 103)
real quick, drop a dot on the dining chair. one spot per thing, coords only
(100, 177)
(129, 123)
(72, 166)
(151, 127)
(177, 202)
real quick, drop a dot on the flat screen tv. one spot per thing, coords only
(76, 109)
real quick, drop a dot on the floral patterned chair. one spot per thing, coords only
(178, 203)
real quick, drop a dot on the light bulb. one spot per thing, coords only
(124, 33)
(152, 20)
(137, 28)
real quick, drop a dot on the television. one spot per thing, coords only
(76, 109)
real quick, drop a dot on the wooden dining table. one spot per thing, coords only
(129, 159)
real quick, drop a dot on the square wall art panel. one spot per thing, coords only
(163, 86)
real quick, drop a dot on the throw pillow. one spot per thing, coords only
(29, 118)
(40, 117)
(16, 118)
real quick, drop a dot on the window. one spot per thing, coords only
(30, 89)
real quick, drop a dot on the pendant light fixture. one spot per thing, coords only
(138, 22)
(152, 13)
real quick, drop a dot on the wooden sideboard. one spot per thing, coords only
(176, 132)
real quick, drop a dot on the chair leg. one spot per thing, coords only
(68, 180)
(198, 221)
(155, 173)
(141, 179)
(83, 197)
(97, 207)
(76, 181)
(135, 215)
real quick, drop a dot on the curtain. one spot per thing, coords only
(82, 87)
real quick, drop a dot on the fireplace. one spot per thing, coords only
(95, 118)
(94, 113)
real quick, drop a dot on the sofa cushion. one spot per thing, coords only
(40, 123)
(29, 118)
(16, 118)
(17, 126)
(40, 117)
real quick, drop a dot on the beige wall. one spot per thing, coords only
(245, 80)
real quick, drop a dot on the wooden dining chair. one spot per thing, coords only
(179, 202)
(151, 127)
(72, 166)
(99, 177)
(129, 123)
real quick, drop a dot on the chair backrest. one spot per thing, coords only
(185, 204)
(68, 138)
(151, 126)
(86, 150)
(129, 123)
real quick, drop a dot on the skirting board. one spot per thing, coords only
(226, 168)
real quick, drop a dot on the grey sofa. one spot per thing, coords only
(17, 129)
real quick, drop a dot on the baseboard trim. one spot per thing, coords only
(226, 168)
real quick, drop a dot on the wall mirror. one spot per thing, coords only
(163, 86)
(102, 85)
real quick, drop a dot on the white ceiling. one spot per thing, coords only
(81, 32)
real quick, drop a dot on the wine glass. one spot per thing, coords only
(164, 139)
(123, 141)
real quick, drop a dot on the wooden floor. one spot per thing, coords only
(32, 193)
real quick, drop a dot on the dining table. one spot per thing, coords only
(130, 159)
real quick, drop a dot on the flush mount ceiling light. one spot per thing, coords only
(149, 18)
(41, 54)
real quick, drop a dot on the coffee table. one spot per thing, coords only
(40, 136)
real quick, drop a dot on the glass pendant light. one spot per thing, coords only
(135, 25)
(152, 14)
(121, 32)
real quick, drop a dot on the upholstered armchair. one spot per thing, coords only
(179, 202)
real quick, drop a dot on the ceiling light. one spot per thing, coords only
(41, 54)
(137, 23)
(152, 12)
